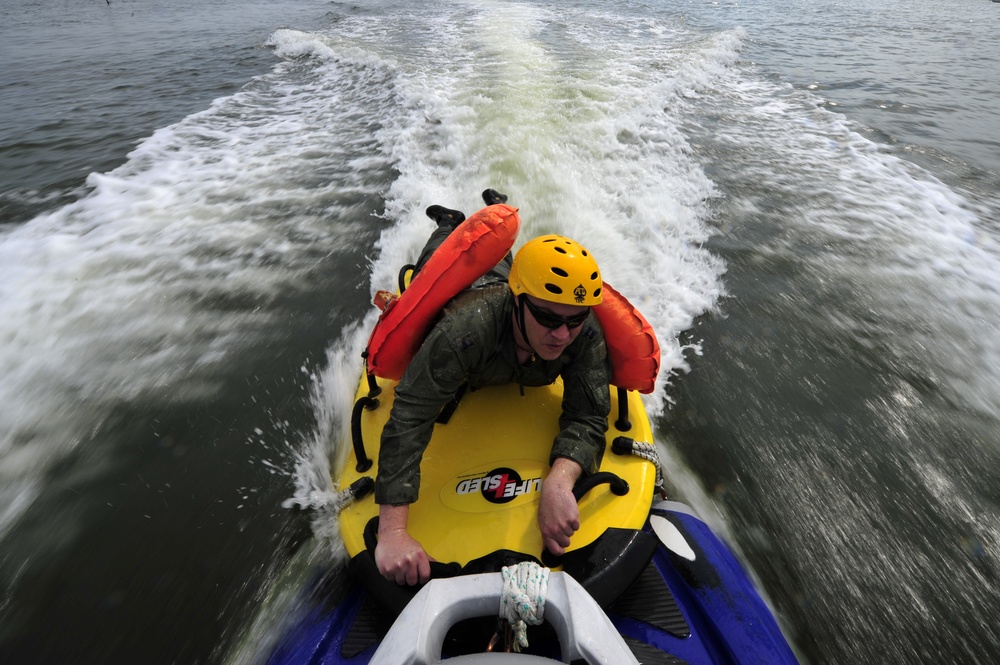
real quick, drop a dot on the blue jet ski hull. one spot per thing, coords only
(693, 603)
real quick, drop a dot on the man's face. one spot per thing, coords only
(539, 318)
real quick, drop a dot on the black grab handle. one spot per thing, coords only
(619, 487)
(622, 423)
(357, 438)
(401, 279)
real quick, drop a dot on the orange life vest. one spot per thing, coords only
(469, 252)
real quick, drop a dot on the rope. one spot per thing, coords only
(523, 598)
(647, 451)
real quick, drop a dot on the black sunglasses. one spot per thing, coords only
(552, 321)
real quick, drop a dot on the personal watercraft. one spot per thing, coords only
(644, 580)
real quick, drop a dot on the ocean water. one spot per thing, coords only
(197, 200)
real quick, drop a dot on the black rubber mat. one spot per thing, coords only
(649, 655)
(650, 601)
(368, 629)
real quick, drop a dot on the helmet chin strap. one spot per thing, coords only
(519, 319)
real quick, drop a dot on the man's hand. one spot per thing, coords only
(558, 515)
(398, 556)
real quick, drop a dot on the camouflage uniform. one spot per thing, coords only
(473, 343)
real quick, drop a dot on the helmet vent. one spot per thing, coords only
(556, 269)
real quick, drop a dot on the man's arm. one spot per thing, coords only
(579, 446)
(419, 397)
(558, 514)
(430, 381)
(398, 556)
(586, 401)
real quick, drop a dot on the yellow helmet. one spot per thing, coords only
(556, 269)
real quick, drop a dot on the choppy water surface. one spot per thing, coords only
(198, 198)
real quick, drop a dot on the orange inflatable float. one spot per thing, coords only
(475, 246)
(471, 250)
(632, 344)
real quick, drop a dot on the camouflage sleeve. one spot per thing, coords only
(430, 381)
(586, 402)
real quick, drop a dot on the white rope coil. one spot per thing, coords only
(522, 601)
(647, 451)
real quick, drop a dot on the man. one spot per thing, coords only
(534, 328)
